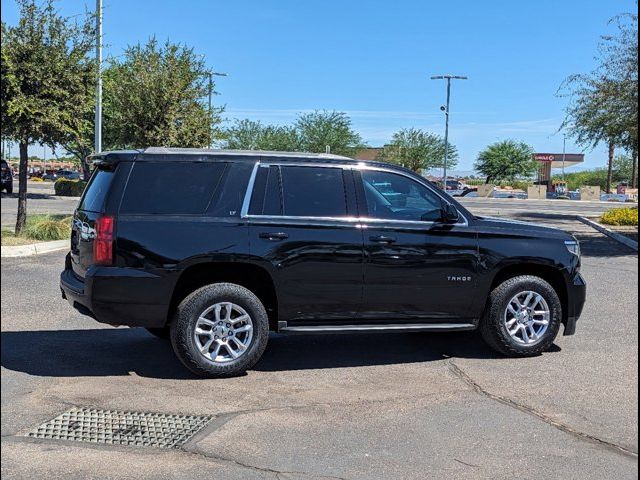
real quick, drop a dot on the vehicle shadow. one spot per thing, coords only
(117, 352)
(304, 352)
(92, 352)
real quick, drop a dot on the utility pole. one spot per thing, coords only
(564, 153)
(211, 74)
(446, 110)
(98, 119)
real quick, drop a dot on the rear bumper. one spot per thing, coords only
(577, 295)
(117, 296)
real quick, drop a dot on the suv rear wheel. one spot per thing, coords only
(220, 330)
(522, 318)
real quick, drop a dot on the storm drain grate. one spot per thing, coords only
(113, 427)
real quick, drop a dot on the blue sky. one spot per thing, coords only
(372, 59)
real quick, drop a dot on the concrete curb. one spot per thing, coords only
(33, 249)
(610, 233)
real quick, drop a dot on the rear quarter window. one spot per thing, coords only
(96, 191)
(177, 188)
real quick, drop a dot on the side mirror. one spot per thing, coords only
(450, 213)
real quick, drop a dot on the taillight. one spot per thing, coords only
(103, 242)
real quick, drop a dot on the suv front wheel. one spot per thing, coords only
(220, 330)
(522, 318)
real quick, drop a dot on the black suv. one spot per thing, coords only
(216, 248)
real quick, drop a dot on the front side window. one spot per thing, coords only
(391, 196)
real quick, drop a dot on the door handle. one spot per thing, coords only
(275, 236)
(382, 239)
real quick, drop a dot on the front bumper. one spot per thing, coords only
(576, 297)
(117, 296)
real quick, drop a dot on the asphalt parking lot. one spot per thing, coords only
(41, 198)
(398, 406)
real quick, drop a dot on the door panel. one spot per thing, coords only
(426, 273)
(318, 266)
(415, 266)
(302, 222)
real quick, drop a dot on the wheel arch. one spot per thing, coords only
(550, 274)
(248, 275)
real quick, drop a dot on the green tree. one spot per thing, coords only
(619, 64)
(311, 132)
(46, 74)
(321, 129)
(418, 150)
(153, 95)
(159, 91)
(506, 160)
(80, 140)
(623, 166)
(592, 119)
(253, 135)
(603, 104)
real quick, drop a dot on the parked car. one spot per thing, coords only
(456, 188)
(66, 174)
(7, 177)
(214, 249)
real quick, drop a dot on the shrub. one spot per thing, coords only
(621, 217)
(69, 188)
(45, 228)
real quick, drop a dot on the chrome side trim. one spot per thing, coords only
(266, 163)
(414, 327)
(305, 219)
(244, 212)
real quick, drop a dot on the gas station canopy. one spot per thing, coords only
(555, 159)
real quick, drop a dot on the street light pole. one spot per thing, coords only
(211, 74)
(564, 153)
(98, 119)
(448, 78)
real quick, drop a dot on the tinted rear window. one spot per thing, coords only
(228, 199)
(313, 192)
(180, 188)
(266, 199)
(96, 192)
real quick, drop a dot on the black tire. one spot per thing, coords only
(164, 332)
(184, 323)
(493, 329)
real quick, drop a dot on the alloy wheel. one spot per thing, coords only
(527, 317)
(223, 332)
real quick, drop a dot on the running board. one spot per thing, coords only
(392, 327)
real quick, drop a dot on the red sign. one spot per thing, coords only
(544, 157)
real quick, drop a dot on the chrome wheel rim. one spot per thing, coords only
(527, 317)
(223, 332)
